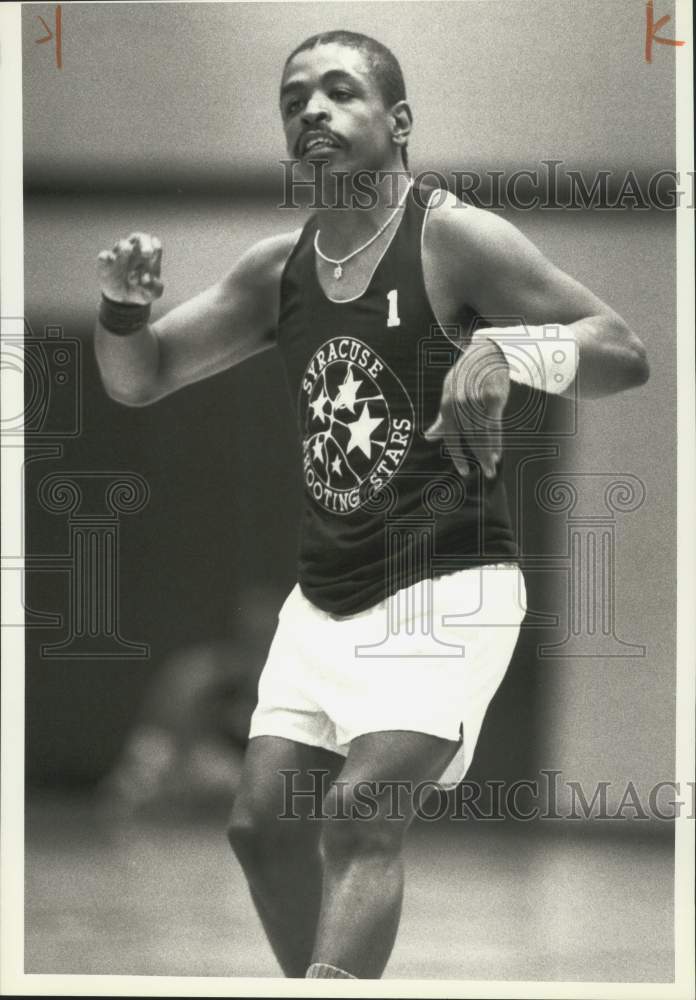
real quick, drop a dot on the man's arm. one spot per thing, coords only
(222, 326)
(495, 270)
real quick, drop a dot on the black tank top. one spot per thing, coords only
(383, 507)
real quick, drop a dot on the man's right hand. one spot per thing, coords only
(223, 325)
(131, 271)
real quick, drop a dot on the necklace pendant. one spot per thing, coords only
(338, 271)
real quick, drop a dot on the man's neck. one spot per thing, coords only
(357, 207)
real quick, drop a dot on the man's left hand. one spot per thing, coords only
(474, 395)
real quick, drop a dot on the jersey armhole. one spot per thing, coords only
(283, 274)
(443, 326)
(297, 233)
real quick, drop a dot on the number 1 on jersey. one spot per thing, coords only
(392, 299)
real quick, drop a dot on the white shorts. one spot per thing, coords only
(429, 659)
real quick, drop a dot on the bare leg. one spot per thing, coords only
(362, 858)
(280, 856)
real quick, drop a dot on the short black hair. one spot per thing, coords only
(381, 60)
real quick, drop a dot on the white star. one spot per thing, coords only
(347, 392)
(317, 449)
(361, 431)
(318, 406)
(336, 466)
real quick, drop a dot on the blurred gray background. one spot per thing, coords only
(164, 118)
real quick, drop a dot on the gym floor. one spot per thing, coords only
(498, 902)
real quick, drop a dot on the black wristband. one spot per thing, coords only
(123, 318)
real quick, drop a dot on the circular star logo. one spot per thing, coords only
(358, 424)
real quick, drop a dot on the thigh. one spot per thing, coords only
(280, 775)
(394, 769)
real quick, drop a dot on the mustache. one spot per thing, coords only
(312, 133)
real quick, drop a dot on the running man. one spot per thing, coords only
(378, 672)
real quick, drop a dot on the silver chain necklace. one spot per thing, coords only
(338, 269)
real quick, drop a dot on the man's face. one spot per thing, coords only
(332, 110)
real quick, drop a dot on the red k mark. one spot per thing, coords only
(651, 31)
(56, 35)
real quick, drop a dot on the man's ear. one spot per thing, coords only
(402, 118)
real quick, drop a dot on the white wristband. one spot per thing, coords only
(543, 357)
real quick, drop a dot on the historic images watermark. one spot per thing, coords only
(549, 796)
(91, 503)
(587, 509)
(549, 185)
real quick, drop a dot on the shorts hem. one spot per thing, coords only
(382, 727)
(296, 737)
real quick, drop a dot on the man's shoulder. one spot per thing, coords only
(264, 260)
(256, 277)
(470, 247)
(452, 224)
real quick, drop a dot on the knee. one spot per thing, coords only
(257, 835)
(251, 828)
(343, 840)
(243, 831)
(345, 835)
